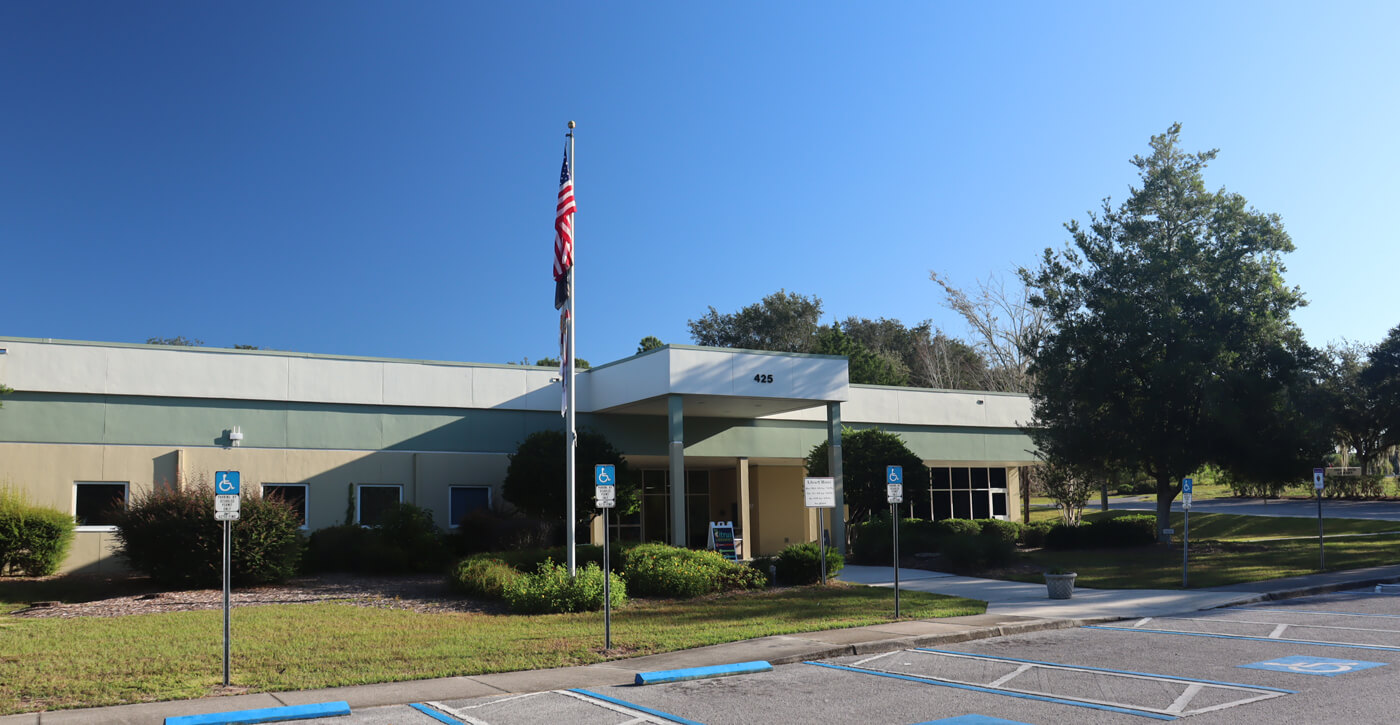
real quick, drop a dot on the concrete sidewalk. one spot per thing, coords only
(1012, 608)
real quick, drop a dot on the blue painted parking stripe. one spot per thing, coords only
(434, 714)
(264, 714)
(1153, 675)
(1381, 648)
(993, 691)
(635, 706)
(697, 673)
(1311, 611)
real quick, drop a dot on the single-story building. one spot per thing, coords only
(714, 434)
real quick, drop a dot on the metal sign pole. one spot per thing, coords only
(607, 591)
(894, 515)
(228, 581)
(1185, 548)
(1321, 551)
(821, 542)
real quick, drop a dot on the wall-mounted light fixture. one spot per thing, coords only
(235, 436)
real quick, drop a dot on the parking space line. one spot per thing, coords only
(1278, 631)
(434, 714)
(1318, 643)
(631, 706)
(1185, 697)
(1251, 621)
(998, 682)
(1142, 621)
(858, 663)
(456, 713)
(1310, 611)
(1007, 693)
(1151, 675)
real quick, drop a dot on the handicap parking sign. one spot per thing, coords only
(1325, 666)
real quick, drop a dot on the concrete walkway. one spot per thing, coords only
(1013, 608)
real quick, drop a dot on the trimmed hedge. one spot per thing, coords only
(1033, 534)
(801, 563)
(34, 540)
(549, 590)
(658, 570)
(171, 535)
(963, 552)
(872, 541)
(405, 540)
(1114, 533)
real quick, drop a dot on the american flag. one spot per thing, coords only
(563, 234)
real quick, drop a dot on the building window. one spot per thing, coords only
(97, 503)
(462, 500)
(293, 494)
(968, 493)
(373, 499)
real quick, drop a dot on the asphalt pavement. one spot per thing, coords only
(1013, 608)
(1286, 508)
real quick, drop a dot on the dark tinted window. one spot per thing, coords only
(98, 503)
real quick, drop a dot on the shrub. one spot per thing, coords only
(1122, 531)
(963, 552)
(491, 531)
(872, 541)
(801, 563)
(34, 540)
(1008, 531)
(1033, 534)
(171, 535)
(549, 590)
(1062, 536)
(406, 539)
(658, 570)
(943, 528)
(338, 548)
(483, 576)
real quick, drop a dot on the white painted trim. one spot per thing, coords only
(305, 501)
(126, 500)
(454, 487)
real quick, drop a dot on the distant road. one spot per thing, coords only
(1378, 510)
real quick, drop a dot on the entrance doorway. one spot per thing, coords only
(656, 506)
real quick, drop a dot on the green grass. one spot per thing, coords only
(50, 664)
(1225, 549)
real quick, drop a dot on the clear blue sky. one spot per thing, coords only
(379, 178)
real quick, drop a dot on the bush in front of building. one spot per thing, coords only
(482, 576)
(404, 541)
(484, 530)
(34, 540)
(944, 528)
(978, 552)
(549, 589)
(659, 570)
(1114, 533)
(1008, 531)
(170, 534)
(1033, 534)
(801, 564)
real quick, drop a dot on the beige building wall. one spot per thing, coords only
(779, 515)
(46, 473)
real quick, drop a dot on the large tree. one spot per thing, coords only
(535, 479)
(1381, 379)
(863, 365)
(1356, 409)
(782, 322)
(1168, 342)
(1004, 326)
(864, 455)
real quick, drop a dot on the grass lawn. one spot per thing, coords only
(1225, 549)
(48, 664)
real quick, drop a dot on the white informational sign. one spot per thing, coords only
(606, 496)
(894, 492)
(226, 515)
(227, 504)
(1317, 478)
(819, 493)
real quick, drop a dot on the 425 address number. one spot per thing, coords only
(763, 378)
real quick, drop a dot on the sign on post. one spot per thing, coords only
(605, 485)
(819, 493)
(1317, 479)
(894, 484)
(1186, 485)
(227, 489)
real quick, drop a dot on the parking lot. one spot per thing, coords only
(1324, 658)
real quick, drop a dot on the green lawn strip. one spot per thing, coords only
(1240, 527)
(49, 664)
(1213, 563)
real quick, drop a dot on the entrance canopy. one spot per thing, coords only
(715, 383)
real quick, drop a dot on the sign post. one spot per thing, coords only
(820, 493)
(894, 491)
(1321, 551)
(1186, 485)
(227, 492)
(605, 494)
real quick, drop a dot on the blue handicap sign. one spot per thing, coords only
(1186, 485)
(1325, 666)
(226, 483)
(605, 474)
(894, 474)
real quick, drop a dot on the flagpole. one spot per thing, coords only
(570, 434)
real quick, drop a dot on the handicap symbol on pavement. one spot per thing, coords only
(1325, 666)
(226, 483)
